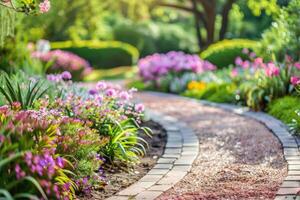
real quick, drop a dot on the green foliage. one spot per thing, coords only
(283, 37)
(223, 53)
(150, 37)
(220, 93)
(261, 90)
(284, 108)
(101, 54)
(124, 143)
(14, 92)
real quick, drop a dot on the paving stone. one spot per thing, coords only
(290, 184)
(172, 151)
(187, 160)
(158, 171)
(286, 197)
(118, 198)
(174, 144)
(166, 160)
(182, 168)
(173, 156)
(163, 166)
(184, 149)
(189, 153)
(148, 195)
(291, 152)
(293, 173)
(151, 178)
(294, 167)
(160, 187)
(288, 191)
(293, 177)
(136, 188)
(295, 158)
(293, 162)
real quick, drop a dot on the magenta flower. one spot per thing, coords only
(245, 51)
(45, 6)
(295, 80)
(297, 65)
(239, 61)
(93, 92)
(272, 70)
(234, 72)
(19, 172)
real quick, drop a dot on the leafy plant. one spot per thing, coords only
(124, 143)
(15, 92)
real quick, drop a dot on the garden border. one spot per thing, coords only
(290, 144)
(181, 150)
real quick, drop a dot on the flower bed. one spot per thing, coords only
(57, 138)
(252, 82)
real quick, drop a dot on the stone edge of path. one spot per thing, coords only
(290, 144)
(181, 150)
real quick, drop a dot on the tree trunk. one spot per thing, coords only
(225, 16)
(197, 24)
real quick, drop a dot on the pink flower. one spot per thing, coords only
(110, 92)
(238, 61)
(66, 75)
(252, 55)
(101, 85)
(245, 51)
(44, 6)
(297, 65)
(295, 80)
(272, 70)
(139, 108)
(234, 72)
(124, 96)
(245, 64)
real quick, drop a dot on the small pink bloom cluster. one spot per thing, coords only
(152, 67)
(45, 6)
(64, 61)
(64, 76)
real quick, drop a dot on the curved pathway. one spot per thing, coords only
(239, 158)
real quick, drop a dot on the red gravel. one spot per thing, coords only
(239, 157)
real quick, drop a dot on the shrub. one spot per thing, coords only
(153, 67)
(224, 53)
(155, 37)
(283, 36)
(221, 93)
(284, 108)
(101, 54)
(60, 61)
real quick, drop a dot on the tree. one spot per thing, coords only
(205, 14)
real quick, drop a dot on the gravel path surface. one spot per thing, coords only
(239, 158)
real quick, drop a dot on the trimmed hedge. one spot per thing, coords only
(223, 53)
(101, 54)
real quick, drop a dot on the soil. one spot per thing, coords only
(119, 179)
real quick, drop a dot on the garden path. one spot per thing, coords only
(239, 158)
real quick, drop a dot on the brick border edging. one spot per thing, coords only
(291, 184)
(181, 150)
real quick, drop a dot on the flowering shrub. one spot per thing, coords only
(153, 67)
(28, 7)
(60, 144)
(64, 61)
(263, 82)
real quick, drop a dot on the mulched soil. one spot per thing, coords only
(239, 158)
(119, 179)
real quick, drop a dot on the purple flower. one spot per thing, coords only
(139, 108)
(124, 96)
(66, 75)
(110, 92)
(93, 92)
(101, 85)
